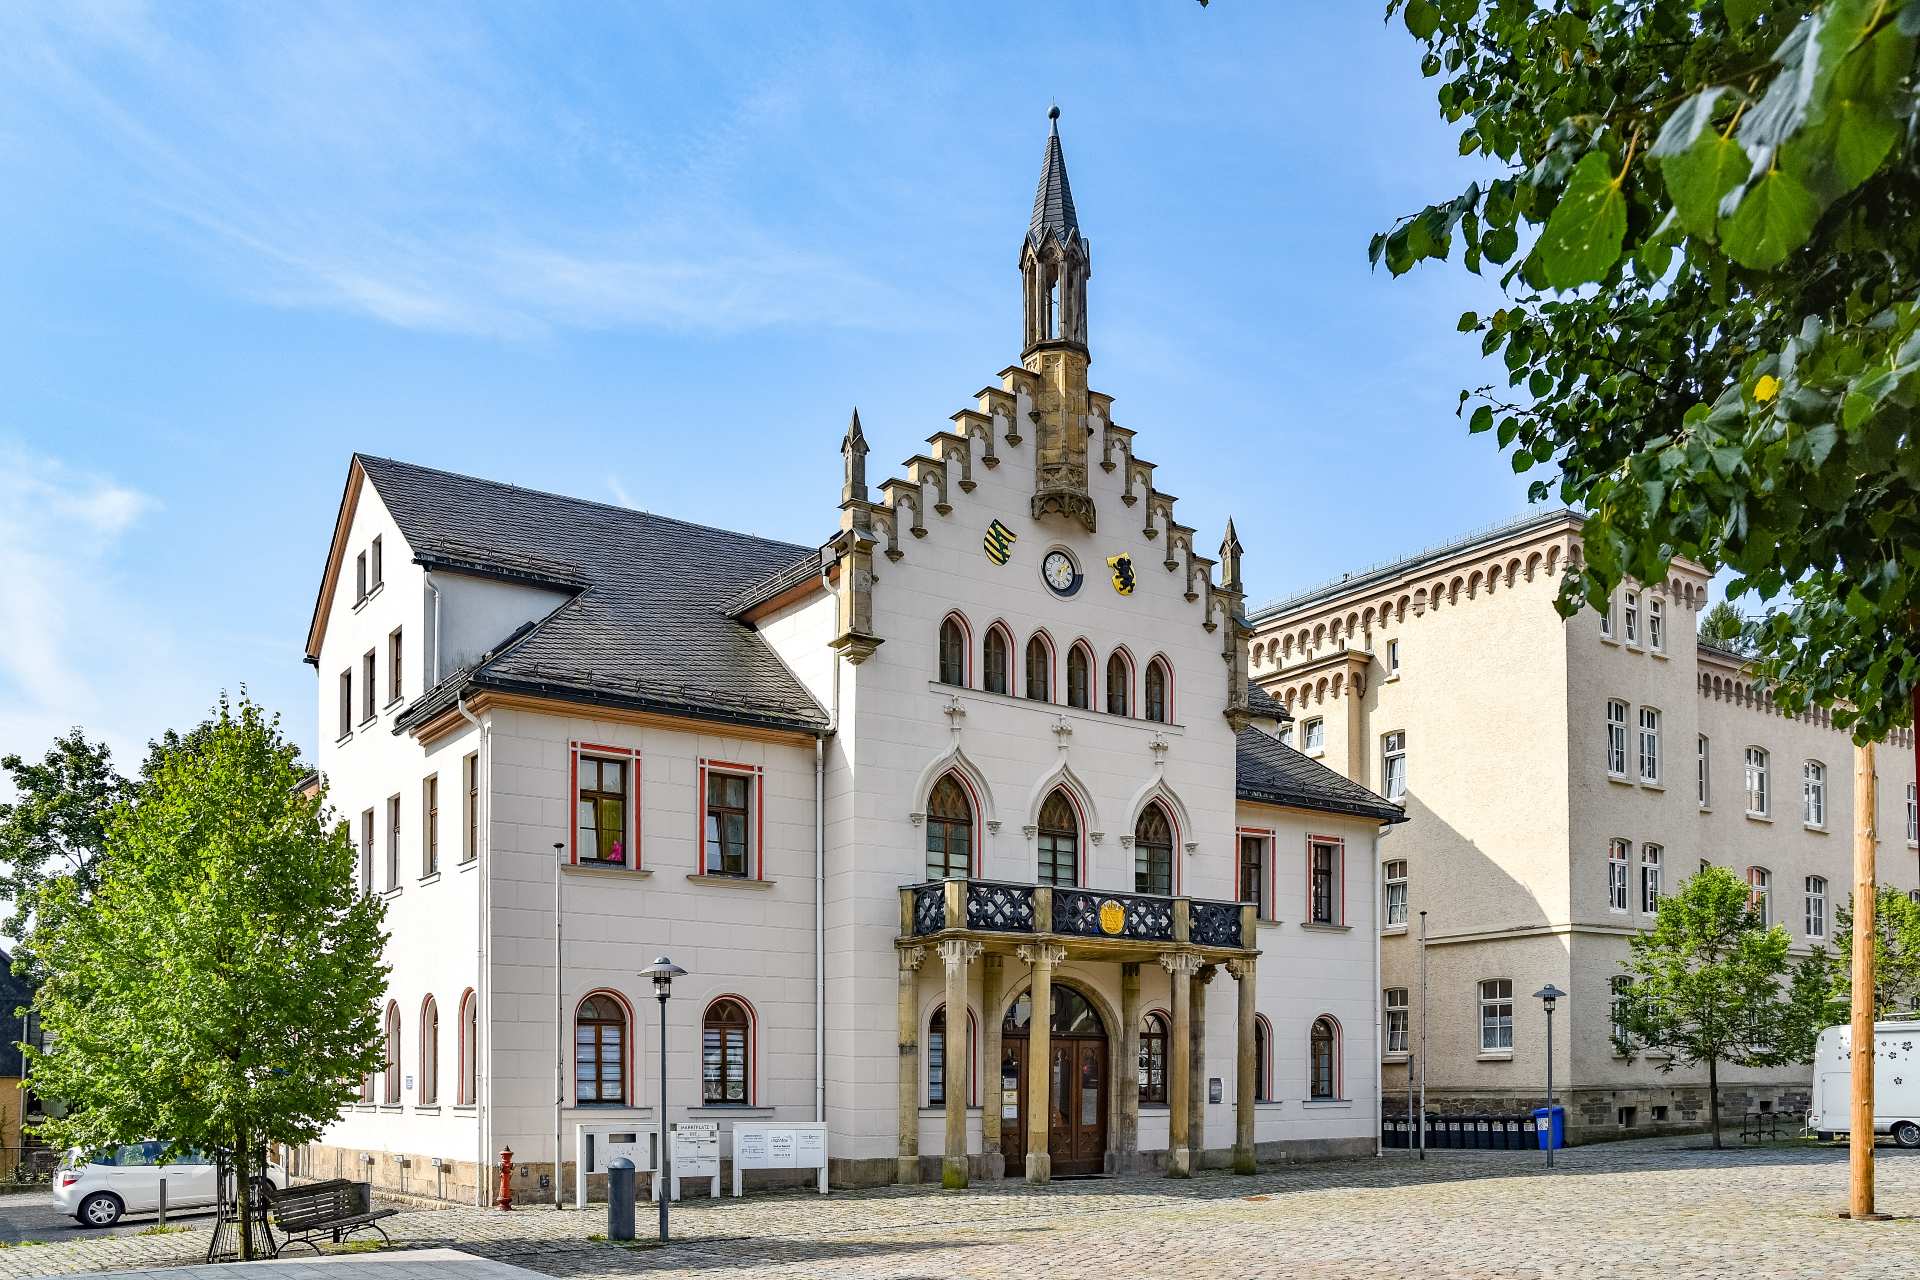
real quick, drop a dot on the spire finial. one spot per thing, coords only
(853, 454)
(1053, 115)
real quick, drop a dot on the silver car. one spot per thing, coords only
(99, 1188)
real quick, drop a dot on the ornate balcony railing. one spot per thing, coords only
(996, 906)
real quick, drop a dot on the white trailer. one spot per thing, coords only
(1896, 1081)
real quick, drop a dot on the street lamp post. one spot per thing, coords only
(1549, 995)
(662, 972)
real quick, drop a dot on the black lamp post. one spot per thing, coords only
(662, 972)
(1549, 995)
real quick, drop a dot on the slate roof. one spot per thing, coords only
(1271, 772)
(1262, 703)
(647, 627)
(1053, 213)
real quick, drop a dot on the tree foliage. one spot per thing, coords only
(1701, 211)
(1708, 985)
(1727, 628)
(219, 988)
(54, 828)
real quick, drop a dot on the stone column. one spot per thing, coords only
(1040, 1059)
(1197, 1045)
(1180, 967)
(958, 955)
(1126, 1143)
(992, 984)
(908, 1158)
(1246, 1069)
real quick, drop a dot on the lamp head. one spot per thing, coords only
(1548, 994)
(662, 972)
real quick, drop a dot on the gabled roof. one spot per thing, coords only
(1262, 703)
(1270, 772)
(1053, 213)
(646, 627)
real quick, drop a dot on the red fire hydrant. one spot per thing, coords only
(506, 1179)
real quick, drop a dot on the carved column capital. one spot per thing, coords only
(1241, 969)
(1179, 963)
(1041, 955)
(1205, 973)
(959, 952)
(910, 957)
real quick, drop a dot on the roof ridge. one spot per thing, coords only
(585, 502)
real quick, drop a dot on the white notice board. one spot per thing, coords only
(779, 1146)
(696, 1156)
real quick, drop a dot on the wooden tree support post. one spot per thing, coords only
(1865, 926)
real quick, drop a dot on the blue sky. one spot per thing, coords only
(653, 254)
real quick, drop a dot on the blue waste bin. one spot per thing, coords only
(1557, 1133)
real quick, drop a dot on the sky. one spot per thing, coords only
(654, 254)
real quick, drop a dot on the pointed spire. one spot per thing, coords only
(853, 452)
(1053, 213)
(1230, 551)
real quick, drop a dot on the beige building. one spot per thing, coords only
(1559, 775)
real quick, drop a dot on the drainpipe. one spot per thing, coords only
(483, 989)
(1379, 1071)
(820, 886)
(559, 1028)
(433, 680)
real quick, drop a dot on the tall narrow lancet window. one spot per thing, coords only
(998, 660)
(1155, 688)
(391, 1094)
(953, 653)
(1153, 852)
(1117, 686)
(1039, 670)
(949, 830)
(1079, 678)
(1059, 842)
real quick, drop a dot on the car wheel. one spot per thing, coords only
(101, 1209)
(1907, 1134)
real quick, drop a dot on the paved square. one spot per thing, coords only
(1665, 1209)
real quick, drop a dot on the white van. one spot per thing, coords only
(98, 1188)
(1896, 1081)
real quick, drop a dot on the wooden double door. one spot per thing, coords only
(1077, 1093)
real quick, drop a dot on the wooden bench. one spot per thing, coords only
(336, 1207)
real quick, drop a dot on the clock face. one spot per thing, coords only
(1061, 573)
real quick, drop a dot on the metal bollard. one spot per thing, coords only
(620, 1179)
(162, 1220)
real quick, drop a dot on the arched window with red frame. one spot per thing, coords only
(468, 1091)
(953, 651)
(1323, 1060)
(1158, 692)
(600, 1047)
(1039, 669)
(726, 1054)
(1059, 836)
(391, 1095)
(1119, 685)
(997, 660)
(949, 830)
(429, 1052)
(1080, 676)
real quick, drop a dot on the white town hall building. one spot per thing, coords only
(991, 744)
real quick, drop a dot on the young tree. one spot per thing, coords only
(1707, 984)
(219, 988)
(55, 827)
(1726, 627)
(1704, 211)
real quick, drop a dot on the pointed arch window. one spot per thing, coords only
(953, 652)
(1153, 1060)
(1118, 682)
(600, 1051)
(469, 1089)
(1059, 842)
(1039, 670)
(391, 1094)
(1158, 703)
(726, 1046)
(1323, 1060)
(997, 661)
(430, 1052)
(1262, 1059)
(949, 830)
(1079, 677)
(1153, 852)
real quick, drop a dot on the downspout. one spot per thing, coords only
(483, 989)
(1379, 1070)
(433, 676)
(559, 1030)
(820, 887)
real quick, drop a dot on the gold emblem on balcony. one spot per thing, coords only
(1113, 917)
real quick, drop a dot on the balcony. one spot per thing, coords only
(999, 911)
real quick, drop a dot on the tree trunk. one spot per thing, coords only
(243, 1177)
(1713, 1098)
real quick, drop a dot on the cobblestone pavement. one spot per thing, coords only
(1666, 1208)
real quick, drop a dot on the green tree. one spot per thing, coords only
(1708, 985)
(1728, 628)
(219, 988)
(1702, 215)
(55, 827)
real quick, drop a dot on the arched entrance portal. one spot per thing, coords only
(1077, 1129)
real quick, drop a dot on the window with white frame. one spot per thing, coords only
(1622, 989)
(1606, 619)
(1616, 737)
(1656, 624)
(1913, 814)
(1758, 798)
(1618, 853)
(1393, 765)
(1816, 906)
(1759, 895)
(1649, 744)
(1813, 793)
(1630, 617)
(1394, 1029)
(1286, 735)
(1393, 657)
(1496, 1015)
(1702, 753)
(1313, 735)
(1393, 880)
(1652, 856)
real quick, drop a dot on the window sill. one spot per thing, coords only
(1660, 654)
(738, 882)
(721, 1109)
(1494, 1055)
(392, 891)
(938, 1109)
(430, 878)
(1390, 930)
(344, 738)
(392, 702)
(427, 1109)
(468, 864)
(1314, 753)
(1607, 639)
(368, 720)
(463, 1108)
(1758, 817)
(619, 869)
(1390, 679)
(1634, 646)
(1320, 927)
(392, 1106)
(1328, 1104)
(1394, 1057)
(1706, 808)
(1652, 786)
(1818, 828)
(1267, 922)
(366, 599)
